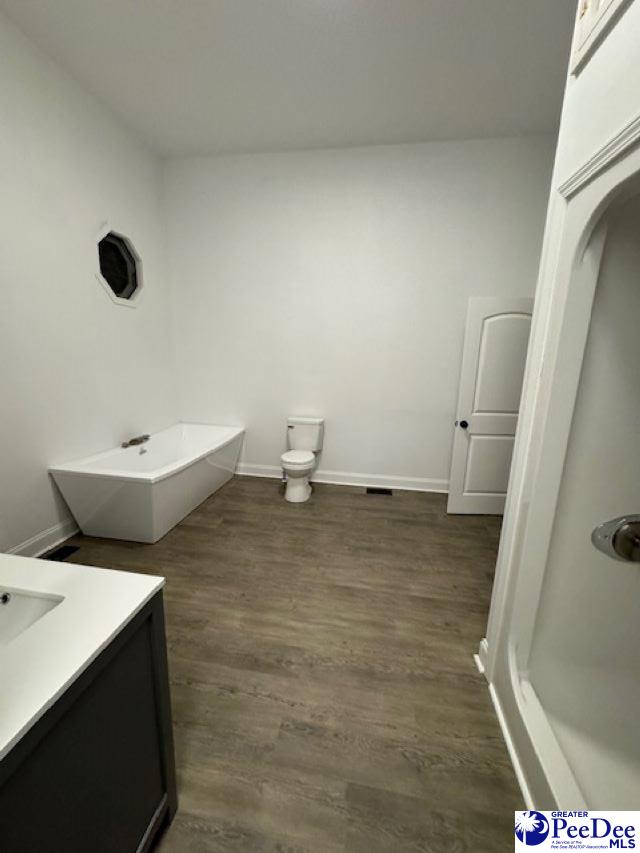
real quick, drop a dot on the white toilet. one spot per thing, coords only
(304, 440)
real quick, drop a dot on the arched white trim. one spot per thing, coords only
(614, 148)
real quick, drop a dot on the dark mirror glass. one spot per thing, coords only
(118, 265)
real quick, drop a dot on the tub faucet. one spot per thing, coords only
(139, 439)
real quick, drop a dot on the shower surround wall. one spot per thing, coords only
(336, 282)
(79, 373)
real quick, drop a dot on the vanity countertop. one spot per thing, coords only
(38, 665)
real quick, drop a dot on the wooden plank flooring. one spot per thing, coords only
(323, 688)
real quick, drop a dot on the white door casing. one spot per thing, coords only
(493, 362)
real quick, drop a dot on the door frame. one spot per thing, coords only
(478, 308)
(574, 246)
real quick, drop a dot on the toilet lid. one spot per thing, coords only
(297, 457)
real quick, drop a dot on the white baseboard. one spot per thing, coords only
(245, 469)
(45, 540)
(483, 655)
(349, 478)
(513, 755)
(412, 484)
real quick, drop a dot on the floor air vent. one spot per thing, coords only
(60, 554)
(374, 490)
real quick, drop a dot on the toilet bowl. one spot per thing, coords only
(304, 439)
(297, 466)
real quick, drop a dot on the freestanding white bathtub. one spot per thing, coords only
(141, 492)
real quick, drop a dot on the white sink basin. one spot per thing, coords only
(19, 610)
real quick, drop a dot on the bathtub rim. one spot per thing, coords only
(150, 477)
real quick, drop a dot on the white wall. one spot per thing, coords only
(79, 373)
(601, 100)
(336, 282)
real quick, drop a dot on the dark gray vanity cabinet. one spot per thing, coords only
(96, 773)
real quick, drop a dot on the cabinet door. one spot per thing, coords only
(95, 780)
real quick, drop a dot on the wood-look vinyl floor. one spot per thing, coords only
(323, 688)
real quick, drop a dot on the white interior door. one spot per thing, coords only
(493, 361)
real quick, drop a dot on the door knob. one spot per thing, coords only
(619, 538)
(464, 424)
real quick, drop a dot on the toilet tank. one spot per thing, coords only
(305, 433)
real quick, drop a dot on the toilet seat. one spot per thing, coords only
(298, 458)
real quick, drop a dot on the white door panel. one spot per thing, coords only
(503, 351)
(497, 423)
(488, 464)
(493, 361)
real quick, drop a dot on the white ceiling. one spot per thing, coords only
(205, 76)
